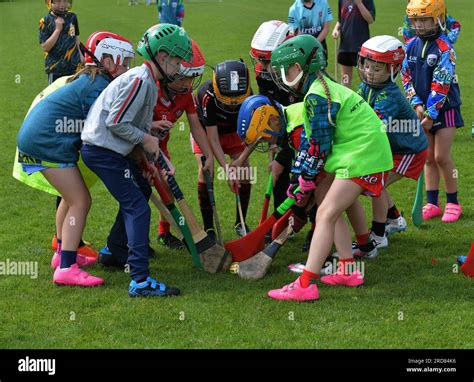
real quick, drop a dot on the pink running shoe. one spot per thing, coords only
(82, 261)
(295, 292)
(75, 276)
(353, 280)
(430, 211)
(452, 212)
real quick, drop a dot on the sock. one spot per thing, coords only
(205, 206)
(59, 247)
(378, 228)
(67, 258)
(452, 198)
(432, 197)
(362, 239)
(244, 190)
(163, 228)
(342, 266)
(393, 213)
(306, 278)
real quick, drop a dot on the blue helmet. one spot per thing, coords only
(254, 115)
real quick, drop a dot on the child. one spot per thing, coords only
(311, 17)
(340, 132)
(428, 75)
(218, 103)
(355, 16)
(380, 61)
(171, 11)
(59, 38)
(120, 119)
(47, 144)
(452, 30)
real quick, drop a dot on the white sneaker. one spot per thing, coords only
(395, 225)
(298, 268)
(381, 241)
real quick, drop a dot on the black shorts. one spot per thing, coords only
(448, 118)
(347, 58)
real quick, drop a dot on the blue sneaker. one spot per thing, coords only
(151, 287)
(461, 260)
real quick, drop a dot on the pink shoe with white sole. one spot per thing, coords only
(295, 292)
(452, 213)
(353, 280)
(82, 261)
(75, 276)
(430, 211)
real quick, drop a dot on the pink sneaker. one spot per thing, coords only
(452, 212)
(82, 261)
(353, 280)
(295, 292)
(75, 276)
(430, 211)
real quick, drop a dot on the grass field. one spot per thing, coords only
(412, 298)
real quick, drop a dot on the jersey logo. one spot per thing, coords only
(432, 59)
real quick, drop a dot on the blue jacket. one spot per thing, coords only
(405, 133)
(428, 75)
(52, 130)
(171, 11)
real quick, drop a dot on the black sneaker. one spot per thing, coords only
(240, 231)
(212, 234)
(170, 241)
(151, 288)
(307, 241)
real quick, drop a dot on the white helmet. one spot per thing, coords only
(385, 49)
(103, 42)
(269, 36)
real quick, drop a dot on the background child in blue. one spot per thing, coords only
(47, 143)
(59, 38)
(171, 11)
(428, 75)
(311, 17)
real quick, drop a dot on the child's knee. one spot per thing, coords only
(326, 214)
(443, 159)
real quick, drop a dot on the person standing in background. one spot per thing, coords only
(310, 17)
(171, 11)
(353, 28)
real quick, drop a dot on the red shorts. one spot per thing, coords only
(410, 165)
(164, 146)
(230, 143)
(372, 184)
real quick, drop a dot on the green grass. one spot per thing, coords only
(222, 311)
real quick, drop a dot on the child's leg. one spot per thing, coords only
(71, 186)
(379, 213)
(203, 195)
(431, 172)
(346, 76)
(61, 212)
(341, 195)
(442, 155)
(356, 215)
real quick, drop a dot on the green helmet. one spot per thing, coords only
(304, 50)
(168, 38)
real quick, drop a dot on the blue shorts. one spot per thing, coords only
(30, 165)
(448, 118)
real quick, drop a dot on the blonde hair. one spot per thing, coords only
(320, 76)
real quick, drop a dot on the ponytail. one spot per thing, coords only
(321, 79)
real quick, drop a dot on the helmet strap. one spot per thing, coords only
(165, 79)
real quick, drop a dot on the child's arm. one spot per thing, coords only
(51, 41)
(292, 20)
(443, 76)
(454, 28)
(407, 80)
(336, 30)
(366, 14)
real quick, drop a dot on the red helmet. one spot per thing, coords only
(194, 70)
(103, 42)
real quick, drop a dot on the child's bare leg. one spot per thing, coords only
(346, 76)
(61, 213)
(340, 197)
(431, 168)
(442, 155)
(356, 215)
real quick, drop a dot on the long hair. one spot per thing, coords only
(320, 77)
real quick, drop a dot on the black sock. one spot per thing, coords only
(244, 190)
(205, 206)
(432, 197)
(393, 213)
(378, 228)
(67, 258)
(452, 198)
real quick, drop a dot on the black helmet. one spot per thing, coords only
(231, 84)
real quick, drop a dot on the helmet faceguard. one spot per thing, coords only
(231, 85)
(421, 12)
(190, 73)
(60, 13)
(380, 60)
(260, 122)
